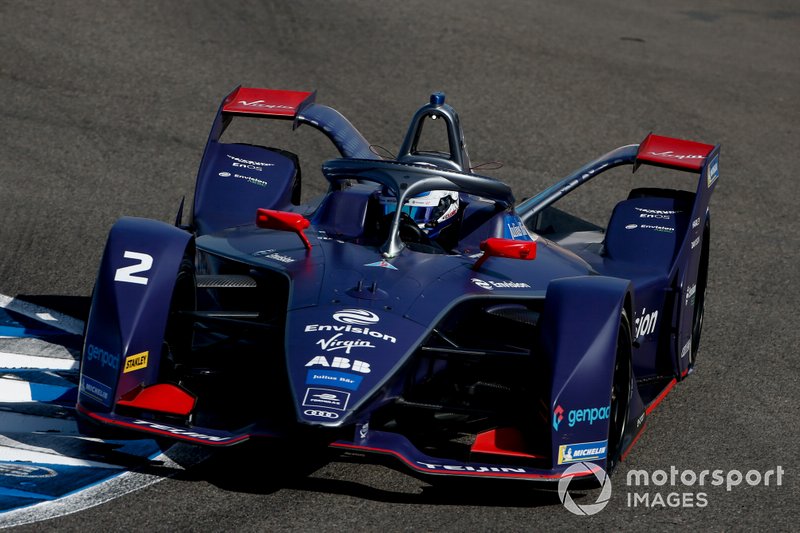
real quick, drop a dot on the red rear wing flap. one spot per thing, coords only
(266, 102)
(673, 153)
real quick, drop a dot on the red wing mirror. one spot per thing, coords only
(283, 221)
(508, 248)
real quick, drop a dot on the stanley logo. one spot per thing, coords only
(136, 361)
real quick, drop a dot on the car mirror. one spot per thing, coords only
(284, 221)
(507, 248)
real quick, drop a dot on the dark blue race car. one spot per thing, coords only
(415, 312)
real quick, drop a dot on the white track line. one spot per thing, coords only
(43, 314)
(9, 454)
(15, 360)
(15, 391)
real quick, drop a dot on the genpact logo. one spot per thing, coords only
(361, 317)
(577, 416)
(558, 416)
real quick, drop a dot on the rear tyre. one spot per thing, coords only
(620, 394)
(700, 297)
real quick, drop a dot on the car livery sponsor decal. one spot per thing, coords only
(180, 431)
(466, 468)
(248, 164)
(579, 416)
(332, 378)
(274, 255)
(319, 413)
(96, 390)
(713, 171)
(95, 354)
(326, 398)
(341, 362)
(691, 291)
(381, 264)
(645, 324)
(491, 285)
(248, 179)
(361, 317)
(695, 243)
(582, 451)
(695, 222)
(136, 361)
(337, 343)
(264, 105)
(311, 328)
(516, 230)
(660, 229)
(686, 348)
(673, 155)
(558, 416)
(655, 213)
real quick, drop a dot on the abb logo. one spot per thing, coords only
(341, 362)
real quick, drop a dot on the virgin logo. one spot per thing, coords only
(361, 317)
(673, 155)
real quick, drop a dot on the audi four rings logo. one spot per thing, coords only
(321, 414)
(362, 317)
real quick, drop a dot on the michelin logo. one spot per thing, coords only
(584, 451)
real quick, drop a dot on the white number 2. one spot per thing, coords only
(126, 274)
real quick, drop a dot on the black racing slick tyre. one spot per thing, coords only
(179, 333)
(700, 296)
(621, 389)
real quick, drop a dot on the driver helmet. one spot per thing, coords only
(433, 210)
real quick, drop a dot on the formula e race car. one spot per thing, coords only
(413, 313)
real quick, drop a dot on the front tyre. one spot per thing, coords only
(620, 394)
(179, 334)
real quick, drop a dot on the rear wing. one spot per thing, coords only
(655, 150)
(267, 102)
(672, 153)
(689, 156)
(297, 106)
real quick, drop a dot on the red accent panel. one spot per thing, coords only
(509, 248)
(660, 397)
(283, 221)
(501, 441)
(673, 153)
(164, 398)
(269, 102)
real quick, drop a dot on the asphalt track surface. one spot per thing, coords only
(105, 110)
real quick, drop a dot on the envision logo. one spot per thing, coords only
(361, 317)
(590, 508)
